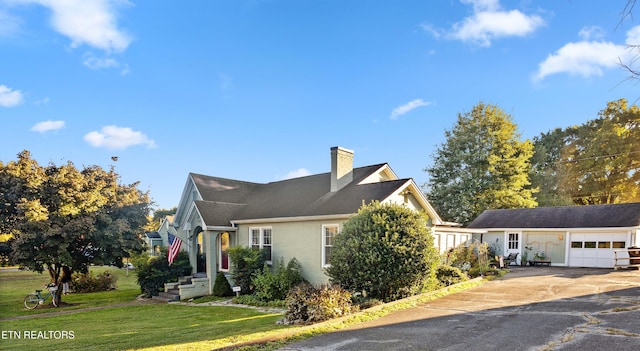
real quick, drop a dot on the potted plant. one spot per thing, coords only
(525, 255)
(540, 256)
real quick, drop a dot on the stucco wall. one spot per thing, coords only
(553, 244)
(302, 240)
(495, 240)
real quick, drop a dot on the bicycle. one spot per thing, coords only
(31, 301)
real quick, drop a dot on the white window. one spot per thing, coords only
(329, 232)
(260, 238)
(514, 242)
(436, 241)
(451, 241)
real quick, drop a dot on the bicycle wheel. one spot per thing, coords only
(31, 301)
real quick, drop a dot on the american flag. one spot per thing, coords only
(174, 247)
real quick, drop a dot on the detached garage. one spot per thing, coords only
(576, 236)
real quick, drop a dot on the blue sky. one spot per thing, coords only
(259, 90)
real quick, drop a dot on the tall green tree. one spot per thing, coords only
(601, 158)
(482, 165)
(385, 250)
(62, 216)
(547, 165)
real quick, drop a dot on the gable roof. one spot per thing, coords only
(226, 200)
(592, 216)
(153, 235)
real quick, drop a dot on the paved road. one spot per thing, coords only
(532, 308)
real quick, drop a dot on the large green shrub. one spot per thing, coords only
(385, 251)
(156, 271)
(89, 282)
(246, 263)
(307, 304)
(274, 284)
(221, 286)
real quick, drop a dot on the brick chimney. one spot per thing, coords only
(341, 167)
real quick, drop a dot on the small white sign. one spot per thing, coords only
(236, 289)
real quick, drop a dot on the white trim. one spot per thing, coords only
(419, 195)
(441, 229)
(221, 228)
(374, 177)
(323, 262)
(219, 253)
(261, 238)
(594, 229)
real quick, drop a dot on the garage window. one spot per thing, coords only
(604, 244)
(576, 244)
(618, 244)
(589, 244)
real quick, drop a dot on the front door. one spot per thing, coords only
(223, 251)
(513, 244)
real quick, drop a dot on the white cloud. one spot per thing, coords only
(587, 58)
(300, 172)
(8, 24)
(411, 105)
(633, 36)
(99, 63)
(591, 32)
(488, 22)
(47, 126)
(92, 23)
(10, 97)
(43, 101)
(118, 138)
(96, 63)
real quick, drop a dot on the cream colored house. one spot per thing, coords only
(575, 236)
(292, 218)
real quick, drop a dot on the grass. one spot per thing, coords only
(136, 326)
(156, 326)
(14, 285)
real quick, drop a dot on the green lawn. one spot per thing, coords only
(136, 326)
(152, 326)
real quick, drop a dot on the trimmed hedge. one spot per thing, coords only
(221, 286)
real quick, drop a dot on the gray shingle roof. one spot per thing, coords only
(227, 199)
(153, 235)
(593, 216)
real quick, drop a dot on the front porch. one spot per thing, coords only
(185, 288)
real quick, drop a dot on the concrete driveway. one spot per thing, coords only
(531, 308)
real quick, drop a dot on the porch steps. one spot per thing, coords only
(167, 296)
(185, 288)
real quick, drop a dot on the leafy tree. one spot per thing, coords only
(601, 158)
(158, 216)
(62, 216)
(482, 165)
(386, 251)
(546, 167)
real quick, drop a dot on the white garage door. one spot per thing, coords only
(595, 249)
